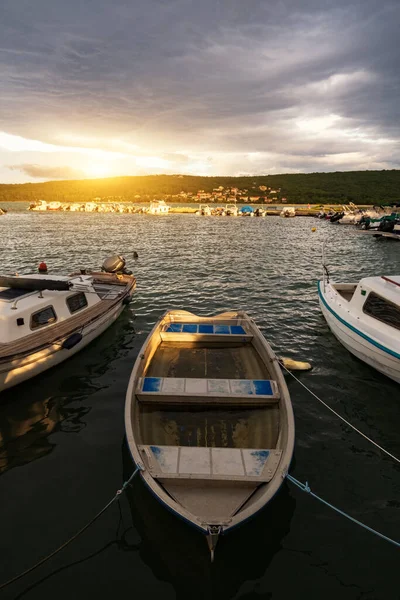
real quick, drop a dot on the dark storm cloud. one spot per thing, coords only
(185, 76)
(43, 172)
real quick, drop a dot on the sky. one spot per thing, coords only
(93, 88)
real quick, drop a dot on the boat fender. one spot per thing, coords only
(295, 365)
(42, 267)
(72, 341)
(127, 300)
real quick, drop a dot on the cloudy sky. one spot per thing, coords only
(93, 88)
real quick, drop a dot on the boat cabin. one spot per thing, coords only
(375, 297)
(26, 307)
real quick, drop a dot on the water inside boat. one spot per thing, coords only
(219, 426)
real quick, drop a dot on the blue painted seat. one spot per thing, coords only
(201, 463)
(204, 328)
(190, 390)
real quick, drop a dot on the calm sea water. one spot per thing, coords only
(62, 450)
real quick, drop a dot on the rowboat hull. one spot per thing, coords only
(347, 330)
(210, 499)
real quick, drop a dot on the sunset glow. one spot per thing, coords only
(273, 88)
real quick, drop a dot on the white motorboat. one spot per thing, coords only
(231, 210)
(44, 319)
(288, 211)
(90, 207)
(209, 420)
(204, 210)
(365, 318)
(260, 212)
(158, 207)
(38, 205)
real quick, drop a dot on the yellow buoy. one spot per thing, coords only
(295, 365)
(313, 229)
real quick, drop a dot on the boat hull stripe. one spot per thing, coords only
(357, 331)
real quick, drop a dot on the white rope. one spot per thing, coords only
(340, 417)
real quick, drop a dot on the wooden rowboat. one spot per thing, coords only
(209, 419)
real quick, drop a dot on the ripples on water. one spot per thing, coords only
(64, 429)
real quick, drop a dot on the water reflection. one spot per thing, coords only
(57, 400)
(25, 427)
(179, 555)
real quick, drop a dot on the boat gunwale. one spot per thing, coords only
(285, 406)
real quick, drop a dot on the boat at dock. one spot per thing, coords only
(231, 210)
(260, 212)
(246, 211)
(158, 207)
(365, 318)
(204, 210)
(209, 419)
(46, 318)
(288, 211)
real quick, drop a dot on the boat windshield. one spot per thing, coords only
(13, 293)
(377, 307)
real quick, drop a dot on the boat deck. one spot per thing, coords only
(205, 426)
(346, 290)
(211, 360)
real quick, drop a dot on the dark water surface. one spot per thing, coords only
(62, 452)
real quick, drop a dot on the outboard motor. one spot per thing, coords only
(115, 264)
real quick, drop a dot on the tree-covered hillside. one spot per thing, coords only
(360, 187)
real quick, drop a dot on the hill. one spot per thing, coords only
(360, 187)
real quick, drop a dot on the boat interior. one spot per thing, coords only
(208, 419)
(346, 290)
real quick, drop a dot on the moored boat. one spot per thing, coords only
(209, 419)
(231, 210)
(47, 318)
(204, 210)
(365, 318)
(158, 207)
(288, 211)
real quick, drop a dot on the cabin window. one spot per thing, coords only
(76, 302)
(43, 317)
(383, 310)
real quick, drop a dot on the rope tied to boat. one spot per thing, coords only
(77, 534)
(306, 488)
(340, 416)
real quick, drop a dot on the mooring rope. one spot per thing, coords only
(338, 415)
(306, 488)
(74, 537)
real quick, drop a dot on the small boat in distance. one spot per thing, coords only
(288, 211)
(209, 420)
(158, 207)
(231, 210)
(204, 210)
(45, 318)
(365, 318)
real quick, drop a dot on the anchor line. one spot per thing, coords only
(75, 536)
(340, 416)
(306, 488)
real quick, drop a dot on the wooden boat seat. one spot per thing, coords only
(216, 464)
(190, 390)
(214, 332)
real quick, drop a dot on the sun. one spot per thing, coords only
(98, 170)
